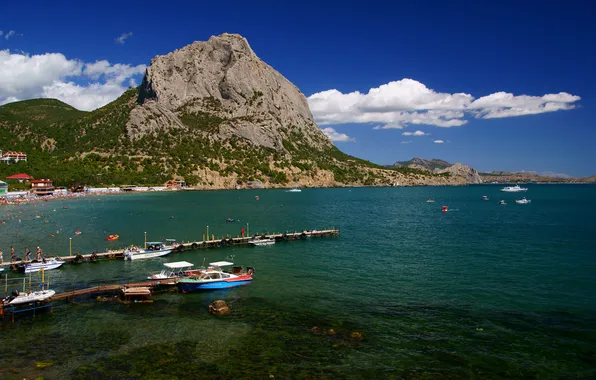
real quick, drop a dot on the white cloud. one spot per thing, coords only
(399, 103)
(9, 34)
(336, 136)
(25, 76)
(122, 39)
(1, 32)
(417, 133)
(438, 141)
(406, 142)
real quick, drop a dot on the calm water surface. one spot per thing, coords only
(482, 291)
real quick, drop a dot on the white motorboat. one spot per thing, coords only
(36, 266)
(154, 249)
(502, 202)
(257, 242)
(523, 201)
(173, 270)
(295, 190)
(514, 189)
(485, 198)
(18, 298)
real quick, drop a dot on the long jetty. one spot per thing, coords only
(203, 244)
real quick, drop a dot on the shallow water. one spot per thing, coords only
(483, 290)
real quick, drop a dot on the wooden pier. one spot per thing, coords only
(225, 241)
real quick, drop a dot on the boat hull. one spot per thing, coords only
(147, 255)
(36, 267)
(193, 285)
(39, 296)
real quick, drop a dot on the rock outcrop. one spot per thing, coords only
(460, 170)
(223, 81)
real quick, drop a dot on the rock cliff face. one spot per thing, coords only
(470, 174)
(221, 84)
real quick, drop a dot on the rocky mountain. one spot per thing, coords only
(211, 112)
(524, 177)
(470, 174)
(421, 163)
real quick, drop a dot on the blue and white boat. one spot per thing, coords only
(215, 278)
(154, 249)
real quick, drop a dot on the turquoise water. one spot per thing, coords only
(483, 290)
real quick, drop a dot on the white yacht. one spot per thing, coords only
(514, 189)
(523, 201)
(36, 266)
(257, 242)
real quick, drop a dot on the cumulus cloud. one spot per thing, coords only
(336, 136)
(83, 85)
(438, 141)
(122, 39)
(399, 103)
(417, 133)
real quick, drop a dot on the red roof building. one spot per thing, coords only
(21, 176)
(10, 157)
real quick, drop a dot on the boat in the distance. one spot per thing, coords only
(294, 190)
(514, 189)
(260, 241)
(19, 298)
(36, 266)
(154, 249)
(174, 271)
(430, 201)
(112, 237)
(523, 201)
(214, 277)
(485, 198)
(502, 202)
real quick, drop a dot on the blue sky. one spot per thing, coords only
(474, 49)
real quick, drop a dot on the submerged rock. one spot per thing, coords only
(357, 335)
(219, 308)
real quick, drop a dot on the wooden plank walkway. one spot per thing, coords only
(108, 288)
(213, 243)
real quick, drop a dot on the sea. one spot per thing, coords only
(408, 291)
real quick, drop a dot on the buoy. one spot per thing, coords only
(444, 209)
(257, 197)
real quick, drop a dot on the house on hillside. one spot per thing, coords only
(11, 157)
(42, 187)
(21, 177)
(3, 188)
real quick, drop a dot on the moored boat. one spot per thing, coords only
(154, 249)
(19, 298)
(36, 266)
(295, 190)
(502, 202)
(257, 242)
(514, 189)
(485, 198)
(174, 271)
(215, 278)
(112, 237)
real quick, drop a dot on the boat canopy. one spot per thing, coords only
(221, 264)
(178, 265)
(154, 242)
(171, 240)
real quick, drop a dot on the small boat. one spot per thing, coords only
(230, 220)
(430, 201)
(502, 202)
(18, 298)
(484, 198)
(523, 201)
(154, 249)
(77, 232)
(215, 278)
(174, 270)
(445, 209)
(295, 190)
(112, 237)
(261, 241)
(514, 189)
(36, 266)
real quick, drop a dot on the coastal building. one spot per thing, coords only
(11, 157)
(42, 187)
(3, 188)
(21, 177)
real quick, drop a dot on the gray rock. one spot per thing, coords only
(470, 174)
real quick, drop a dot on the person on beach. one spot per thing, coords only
(39, 254)
(27, 254)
